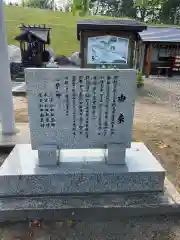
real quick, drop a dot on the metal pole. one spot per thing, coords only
(6, 99)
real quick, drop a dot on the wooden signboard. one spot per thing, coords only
(108, 43)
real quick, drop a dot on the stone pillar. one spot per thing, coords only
(116, 154)
(6, 100)
(48, 156)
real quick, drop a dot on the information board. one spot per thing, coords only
(103, 50)
(80, 108)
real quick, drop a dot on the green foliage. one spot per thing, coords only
(38, 3)
(162, 11)
(128, 9)
(81, 6)
(170, 12)
(149, 3)
(157, 11)
(140, 80)
(148, 9)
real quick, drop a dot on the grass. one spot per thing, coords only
(63, 26)
(63, 33)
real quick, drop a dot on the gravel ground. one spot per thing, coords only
(166, 90)
(130, 229)
(2, 157)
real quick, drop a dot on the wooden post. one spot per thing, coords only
(142, 56)
(136, 47)
(138, 55)
(148, 60)
(82, 50)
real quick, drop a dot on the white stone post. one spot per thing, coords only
(6, 100)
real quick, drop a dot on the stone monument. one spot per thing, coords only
(81, 159)
(81, 155)
(77, 110)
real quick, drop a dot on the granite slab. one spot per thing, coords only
(22, 136)
(80, 172)
(91, 208)
(80, 108)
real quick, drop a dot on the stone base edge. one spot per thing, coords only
(97, 213)
(97, 208)
(69, 184)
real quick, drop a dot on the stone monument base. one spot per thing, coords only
(29, 192)
(91, 208)
(80, 172)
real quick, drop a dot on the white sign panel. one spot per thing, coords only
(80, 108)
(107, 50)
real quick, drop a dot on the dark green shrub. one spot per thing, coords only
(140, 80)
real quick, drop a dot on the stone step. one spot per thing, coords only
(91, 207)
(80, 172)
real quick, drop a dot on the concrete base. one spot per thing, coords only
(22, 136)
(91, 208)
(19, 88)
(80, 172)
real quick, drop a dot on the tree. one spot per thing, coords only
(114, 8)
(128, 9)
(82, 6)
(106, 7)
(94, 6)
(148, 9)
(170, 12)
(39, 3)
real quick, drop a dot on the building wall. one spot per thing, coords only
(159, 52)
(154, 57)
(163, 52)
